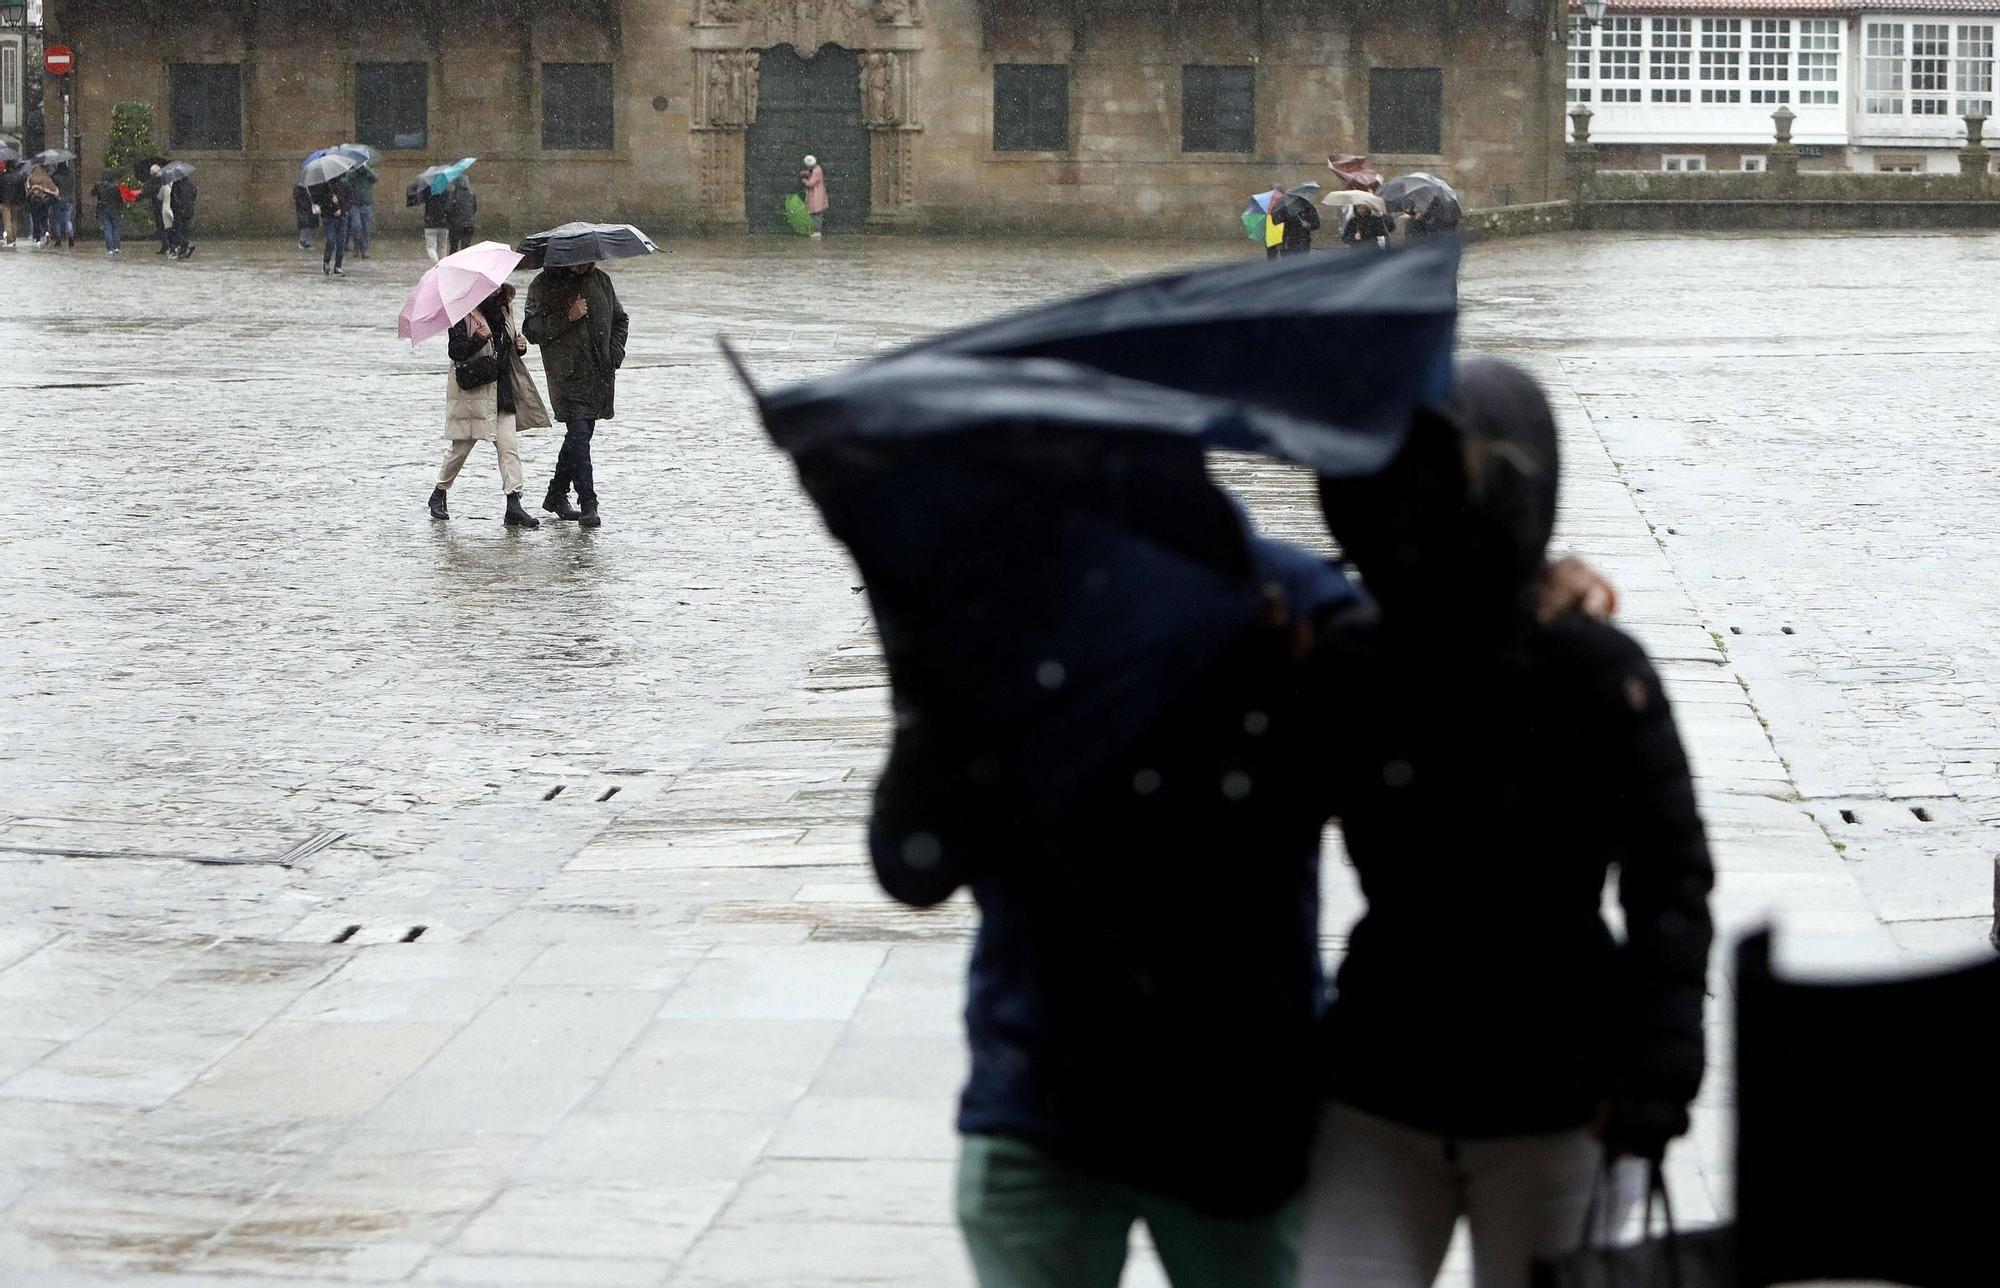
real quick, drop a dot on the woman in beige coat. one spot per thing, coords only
(486, 353)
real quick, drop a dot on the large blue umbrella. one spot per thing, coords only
(1048, 562)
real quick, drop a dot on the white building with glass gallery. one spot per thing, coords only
(1685, 85)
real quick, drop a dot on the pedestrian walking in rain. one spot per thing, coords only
(1490, 1043)
(461, 214)
(330, 199)
(574, 316)
(305, 214)
(13, 195)
(42, 193)
(107, 199)
(62, 230)
(812, 180)
(489, 397)
(1301, 219)
(150, 189)
(177, 199)
(436, 230)
(361, 183)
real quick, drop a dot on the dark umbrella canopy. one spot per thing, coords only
(1334, 340)
(1432, 202)
(581, 243)
(8, 152)
(1048, 562)
(175, 171)
(1866, 1117)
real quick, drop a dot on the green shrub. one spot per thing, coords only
(131, 135)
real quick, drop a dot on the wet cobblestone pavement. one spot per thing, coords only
(658, 1027)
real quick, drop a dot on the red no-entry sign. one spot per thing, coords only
(57, 60)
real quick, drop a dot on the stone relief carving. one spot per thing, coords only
(729, 89)
(894, 13)
(720, 13)
(884, 89)
(808, 24)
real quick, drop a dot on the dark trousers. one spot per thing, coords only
(177, 236)
(335, 227)
(108, 224)
(460, 239)
(573, 463)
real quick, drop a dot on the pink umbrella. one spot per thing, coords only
(453, 288)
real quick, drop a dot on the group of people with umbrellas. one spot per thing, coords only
(44, 188)
(572, 314)
(1283, 220)
(335, 192)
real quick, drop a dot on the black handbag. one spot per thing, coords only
(1671, 1259)
(478, 371)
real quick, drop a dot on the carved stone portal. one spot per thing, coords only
(885, 89)
(806, 25)
(728, 98)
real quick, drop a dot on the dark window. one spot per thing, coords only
(1030, 107)
(206, 105)
(576, 105)
(1218, 109)
(392, 104)
(1405, 109)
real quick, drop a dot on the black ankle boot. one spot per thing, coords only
(589, 518)
(437, 504)
(516, 516)
(557, 503)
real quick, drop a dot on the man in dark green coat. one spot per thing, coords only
(574, 315)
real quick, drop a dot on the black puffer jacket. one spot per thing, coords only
(1487, 771)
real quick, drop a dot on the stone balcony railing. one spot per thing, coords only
(1784, 195)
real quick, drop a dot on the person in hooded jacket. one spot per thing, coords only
(107, 197)
(485, 352)
(42, 195)
(1145, 985)
(461, 215)
(1301, 220)
(1490, 1042)
(13, 196)
(62, 219)
(330, 200)
(437, 232)
(305, 214)
(574, 315)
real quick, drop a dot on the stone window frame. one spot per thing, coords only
(1376, 147)
(542, 106)
(1251, 137)
(175, 141)
(388, 144)
(1068, 144)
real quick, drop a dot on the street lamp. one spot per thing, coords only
(1593, 12)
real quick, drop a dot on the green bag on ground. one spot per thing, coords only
(797, 216)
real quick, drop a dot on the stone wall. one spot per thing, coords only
(685, 74)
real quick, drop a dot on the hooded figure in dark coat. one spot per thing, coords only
(1489, 1038)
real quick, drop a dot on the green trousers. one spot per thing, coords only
(1031, 1221)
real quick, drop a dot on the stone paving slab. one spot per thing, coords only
(670, 1034)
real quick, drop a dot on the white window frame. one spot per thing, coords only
(1819, 62)
(1927, 68)
(1754, 163)
(1683, 163)
(1769, 60)
(1721, 64)
(1899, 165)
(1670, 60)
(1621, 60)
(1972, 68)
(1582, 60)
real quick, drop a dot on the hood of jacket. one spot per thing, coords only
(1458, 525)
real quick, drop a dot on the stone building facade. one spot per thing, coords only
(1119, 117)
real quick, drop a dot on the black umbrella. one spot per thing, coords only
(1866, 1117)
(1048, 562)
(8, 152)
(1432, 202)
(583, 244)
(175, 171)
